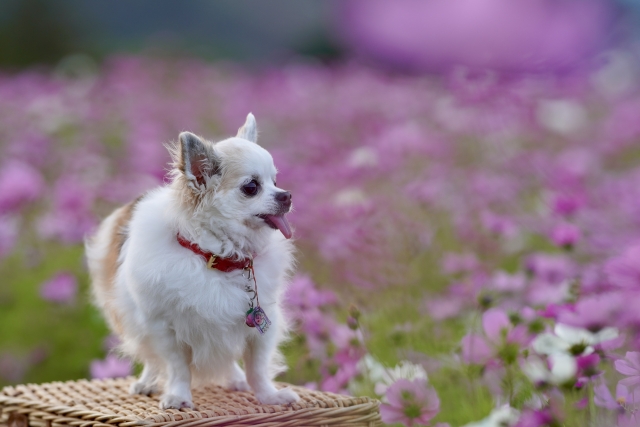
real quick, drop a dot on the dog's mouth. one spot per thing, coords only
(278, 222)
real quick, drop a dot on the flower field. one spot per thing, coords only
(469, 243)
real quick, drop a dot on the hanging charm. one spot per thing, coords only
(255, 316)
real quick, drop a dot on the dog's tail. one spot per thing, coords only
(104, 253)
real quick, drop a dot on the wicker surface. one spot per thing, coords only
(104, 403)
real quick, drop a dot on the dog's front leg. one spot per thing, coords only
(177, 389)
(257, 358)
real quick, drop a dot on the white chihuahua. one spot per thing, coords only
(177, 272)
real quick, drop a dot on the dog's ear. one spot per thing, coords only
(249, 129)
(195, 159)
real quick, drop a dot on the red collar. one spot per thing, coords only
(213, 261)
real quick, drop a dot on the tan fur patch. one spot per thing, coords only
(230, 180)
(233, 161)
(118, 236)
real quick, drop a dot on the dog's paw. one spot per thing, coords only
(283, 396)
(171, 401)
(142, 388)
(238, 386)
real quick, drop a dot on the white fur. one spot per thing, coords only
(185, 322)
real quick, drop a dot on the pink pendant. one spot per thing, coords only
(257, 318)
(249, 320)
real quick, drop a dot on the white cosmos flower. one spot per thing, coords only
(383, 377)
(569, 339)
(404, 370)
(563, 368)
(374, 369)
(504, 416)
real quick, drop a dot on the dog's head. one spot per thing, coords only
(233, 180)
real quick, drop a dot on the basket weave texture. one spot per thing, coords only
(107, 403)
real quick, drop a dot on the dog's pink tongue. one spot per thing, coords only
(281, 222)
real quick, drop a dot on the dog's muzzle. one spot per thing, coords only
(284, 201)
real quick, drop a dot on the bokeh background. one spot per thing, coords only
(466, 177)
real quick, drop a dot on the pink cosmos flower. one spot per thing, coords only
(624, 270)
(443, 308)
(303, 294)
(629, 366)
(567, 204)
(491, 34)
(410, 402)
(565, 235)
(531, 418)
(500, 225)
(19, 184)
(505, 282)
(625, 402)
(549, 267)
(593, 312)
(459, 263)
(71, 217)
(498, 331)
(110, 367)
(588, 365)
(475, 349)
(62, 288)
(12, 368)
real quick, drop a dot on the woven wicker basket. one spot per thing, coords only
(107, 403)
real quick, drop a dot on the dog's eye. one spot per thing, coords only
(250, 189)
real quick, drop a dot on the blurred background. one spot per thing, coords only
(447, 157)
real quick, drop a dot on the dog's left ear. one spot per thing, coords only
(249, 129)
(196, 159)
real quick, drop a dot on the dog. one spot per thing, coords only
(191, 275)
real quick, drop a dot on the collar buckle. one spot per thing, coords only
(212, 261)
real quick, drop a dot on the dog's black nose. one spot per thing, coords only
(283, 197)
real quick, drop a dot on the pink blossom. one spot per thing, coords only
(19, 185)
(625, 402)
(498, 332)
(432, 35)
(12, 368)
(444, 308)
(410, 402)
(459, 263)
(565, 234)
(550, 268)
(475, 349)
(504, 282)
(62, 288)
(588, 365)
(629, 366)
(624, 270)
(71, 217)
(567, 204)
(592, 312)
(540, 417)
(303, 294)
(500, 225)
(496, 324)
(110, 367)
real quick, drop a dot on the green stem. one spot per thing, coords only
(510, 384)
(592, 404)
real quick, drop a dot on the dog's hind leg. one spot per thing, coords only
(176, 358)
(148, 382)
